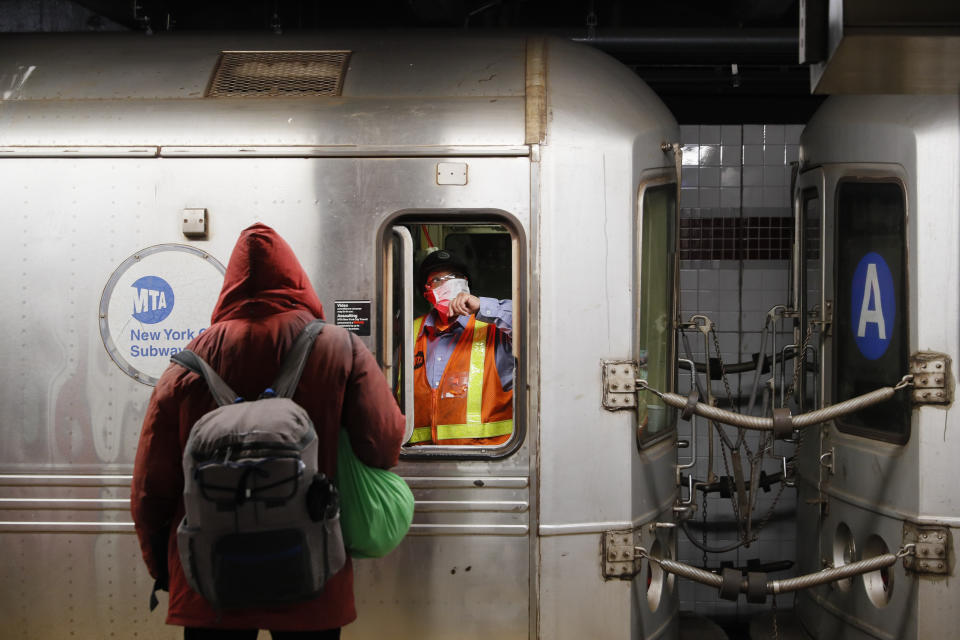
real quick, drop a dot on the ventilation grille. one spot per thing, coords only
(271, 74)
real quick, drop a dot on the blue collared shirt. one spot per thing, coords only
(440, 344)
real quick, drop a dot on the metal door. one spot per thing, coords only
(857, 476)
(464, 568)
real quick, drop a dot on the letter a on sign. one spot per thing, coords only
(871, 310)
(873, 306)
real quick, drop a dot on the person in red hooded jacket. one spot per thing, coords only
(266, 300)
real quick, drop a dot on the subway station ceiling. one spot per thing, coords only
(732, 61)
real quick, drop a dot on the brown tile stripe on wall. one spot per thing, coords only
(748, 238)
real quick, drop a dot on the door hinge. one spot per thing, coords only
(827, 313)
(932, 554)
(619, 385)
(932, 380)
(620, 557)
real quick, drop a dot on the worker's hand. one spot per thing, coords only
(464, 304)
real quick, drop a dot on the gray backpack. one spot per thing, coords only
(262, 524)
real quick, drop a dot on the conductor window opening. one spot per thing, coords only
(464, 337)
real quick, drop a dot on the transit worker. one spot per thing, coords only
(463, 360)
(266, 300)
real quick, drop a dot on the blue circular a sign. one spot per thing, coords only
(873, 306)
(153, 300)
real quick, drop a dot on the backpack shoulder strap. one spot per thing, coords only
(293, 363)
(220, 390)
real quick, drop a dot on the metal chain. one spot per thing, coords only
(806, 341)
(734, 500)
(728, 445)
(711, 425)
(704, 534)
(801, 433)
(769, 514)
(724, 439)
(765, 443)
(773, 608)
(799, 360)
(741, 433)
(723, 368)
(723, 435)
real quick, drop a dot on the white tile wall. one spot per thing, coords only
(735, 170)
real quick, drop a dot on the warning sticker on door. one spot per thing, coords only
(353, 315)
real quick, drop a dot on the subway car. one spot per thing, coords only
(877, 203)
(130, 164)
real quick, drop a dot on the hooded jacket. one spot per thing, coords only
(266, 300)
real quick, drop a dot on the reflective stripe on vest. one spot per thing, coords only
(483, 430)
(474, 427)
(420, 434)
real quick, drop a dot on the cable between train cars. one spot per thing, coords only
(731, 582)
(783, 422)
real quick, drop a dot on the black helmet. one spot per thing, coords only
(440, 259)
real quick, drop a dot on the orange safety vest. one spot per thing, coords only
(469, 405)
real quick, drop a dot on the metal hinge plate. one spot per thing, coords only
(619, 385)
(932, 381)
(826, 316)
(932, 549)
(620, 559)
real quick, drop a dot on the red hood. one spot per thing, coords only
(264, 277)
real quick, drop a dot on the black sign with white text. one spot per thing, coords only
(353, 315)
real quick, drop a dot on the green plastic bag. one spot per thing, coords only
(376, 506)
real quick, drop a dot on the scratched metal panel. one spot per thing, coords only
(132, 66)
(70, 411)
(462, 572)
(343, 125)
(849, 613)
(63, 585)
(128, 89)
(592, 474)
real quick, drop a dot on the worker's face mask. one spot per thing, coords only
(441, 296)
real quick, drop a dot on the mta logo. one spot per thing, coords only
(153, 301)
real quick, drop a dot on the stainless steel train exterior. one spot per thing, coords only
(878, 198)
(127, 178)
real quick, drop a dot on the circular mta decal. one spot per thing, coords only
(873, 306)
(157, 301)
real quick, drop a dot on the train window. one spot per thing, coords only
(808, 296)
(871, 339)
(462, 367)
(656, 304)
(811, 255)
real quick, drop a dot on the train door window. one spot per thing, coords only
(871, 339)
(656, 305)
(809, 300)
(458, 380)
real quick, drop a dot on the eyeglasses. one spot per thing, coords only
(436, 281)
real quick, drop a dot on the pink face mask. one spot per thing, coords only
(441, 297)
